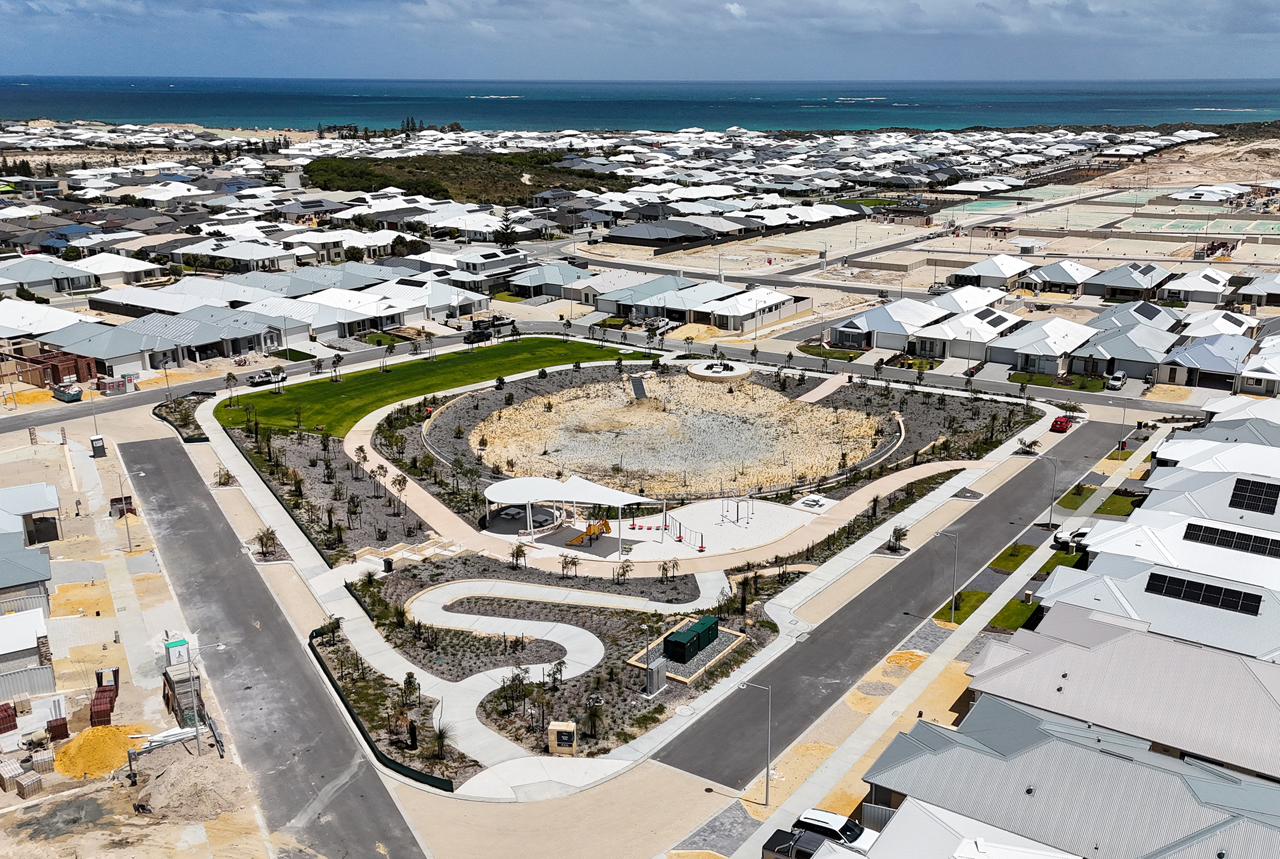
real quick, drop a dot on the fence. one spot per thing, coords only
(17, 604)
(31, 681)
(395, 766)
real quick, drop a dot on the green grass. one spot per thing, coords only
(1062, 559)
(381, 338)
(291, 355)
(338, 405)
(823, 352)
(969, 602)
(1118, 505)
(507, 296)
(1044, 380)
(1122, 455)
(1014, 614)
(1012, 557)
(1072, 501)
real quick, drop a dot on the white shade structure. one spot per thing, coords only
(527, 491)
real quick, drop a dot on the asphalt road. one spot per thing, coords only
(314, 782)
(727, 743)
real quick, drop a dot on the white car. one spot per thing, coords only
(1079, 536)
(838, 828)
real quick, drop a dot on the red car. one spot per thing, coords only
(1061, 423)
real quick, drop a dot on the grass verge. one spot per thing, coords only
(338, 405)
(1072, 501)
(1044, 380)
(1014, 614)
(1012, 557)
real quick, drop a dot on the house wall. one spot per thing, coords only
(1001, 355)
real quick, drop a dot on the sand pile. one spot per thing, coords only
(97, 752)
(185, 787)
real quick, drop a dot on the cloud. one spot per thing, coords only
(736, 10)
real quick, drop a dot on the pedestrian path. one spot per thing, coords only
(824, 390)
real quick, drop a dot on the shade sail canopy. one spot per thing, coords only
(529, 490)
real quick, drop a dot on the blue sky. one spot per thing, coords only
(647, 39)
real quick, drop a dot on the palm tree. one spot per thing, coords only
(230, 380)
(594, 716)
(517, 556)
(266, 539)
(896, 537)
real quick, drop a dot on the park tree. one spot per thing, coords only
(505, 234)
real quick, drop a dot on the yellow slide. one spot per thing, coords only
(595, 529)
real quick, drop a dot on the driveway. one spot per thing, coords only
(725, 745)
(313, 780)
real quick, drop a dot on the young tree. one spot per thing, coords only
(230, 380)
(429, 339)
(518, 555)
(277, 376)
(335, 364)
(266, 539)
(688, 345)
(398, 484)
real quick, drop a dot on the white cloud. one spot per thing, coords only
(736, 10)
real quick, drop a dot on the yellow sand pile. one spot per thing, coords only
(97, 752)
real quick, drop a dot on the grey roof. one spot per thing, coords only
(637, 294)
(23, 567)
(106, 342)
(1207, 495)
(1116, 584)
(904, 316)
(1097, 668)
(1134, 342)
(691, 296)
(1134, 275)
(1244, 431)
(1082, 789)
(556, 273)
(1136, 313)
(1218, 353)
(179, 330)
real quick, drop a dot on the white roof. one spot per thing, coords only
(1000, 265)
(967, 298)
(19, 631)
(36, 319)
(530, 490)
(919, 830)
(978, 326)
(1206, 323)
(1235, 408)
(745, 303)
(1063, 271)
(1054, 336)
(112, 264)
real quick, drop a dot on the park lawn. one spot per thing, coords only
(508, 296)
(1118, 505)
(1072, 501)
(1044, 380)
(1012, 557)
(823, 352)
(381, 338)
(339, 405)
(1014, 614)
(1061, 558)
(291, 355)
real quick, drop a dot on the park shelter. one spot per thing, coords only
(526, 491)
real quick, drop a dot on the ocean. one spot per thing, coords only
(543, 105)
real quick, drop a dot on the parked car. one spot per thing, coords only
(940, 289)
(1061, 423)
(1117, 380)
(1079, 536)
(257, 380)
(477, 336)
(836, 827)
(792, 845)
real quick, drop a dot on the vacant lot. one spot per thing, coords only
(338, 405)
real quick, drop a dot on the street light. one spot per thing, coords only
(768, 736)
(196, 715)
(124, 511)
(955, 566)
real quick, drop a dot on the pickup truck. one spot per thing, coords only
(257, 380)
(477, 336)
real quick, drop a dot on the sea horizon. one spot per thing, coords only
(495, 104)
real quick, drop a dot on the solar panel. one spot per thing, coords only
(984, 313)
(1204, 594)
(1146, 269)
(1255, 496)
(1234, 320)
(1147, 311)
(1236, 540)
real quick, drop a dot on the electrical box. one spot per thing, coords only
(681, 646)
(562, 738)
(97, 446)
(655, 676)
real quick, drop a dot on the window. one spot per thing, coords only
(1255, 496)
(1204, 594)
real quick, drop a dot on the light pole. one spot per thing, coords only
(768, 736)
(194, 713)
(955, 566)
(168, 392)
(1053, 487)
(124, 509)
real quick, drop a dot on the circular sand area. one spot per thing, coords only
(688, 436)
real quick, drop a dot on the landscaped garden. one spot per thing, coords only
(1070, 381)
(338, 399)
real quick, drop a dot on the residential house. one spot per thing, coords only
(1207, 362)
(752, 310)
(1205, 285)
(1076, 787)
(620, 302)
(964, 336)
(1134, 281)
(1136, 313)
(1062, 276)
(1207, 323)
(1136, 349)
(678, 305)
(546, 279)
(1043, 346)
(967, 298)
(886, 326)
(589, 290)
(42, 275)
(998, 272)
(111, 271)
